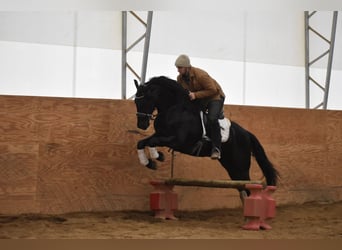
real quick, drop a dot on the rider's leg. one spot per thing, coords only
(215, 108)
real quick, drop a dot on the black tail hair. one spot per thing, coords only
(270, 173)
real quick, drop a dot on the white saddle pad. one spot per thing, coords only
(224, 125)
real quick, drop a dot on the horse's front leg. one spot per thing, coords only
(144, 160)
(151, 142)
(155, 154)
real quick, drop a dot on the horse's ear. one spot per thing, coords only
(136, 83)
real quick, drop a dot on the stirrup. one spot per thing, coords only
(215, 154)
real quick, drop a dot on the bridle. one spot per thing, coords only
(145, 115)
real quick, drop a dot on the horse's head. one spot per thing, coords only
(145, 103)
(159, 93)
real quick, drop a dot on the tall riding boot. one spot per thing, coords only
(216, 140)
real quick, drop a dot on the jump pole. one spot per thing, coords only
(208, 183)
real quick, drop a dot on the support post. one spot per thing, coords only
(309, 62)
(253, 207)
(163, 200)
(125, 49)
(268, 207)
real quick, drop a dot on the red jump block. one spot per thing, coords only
(259, 207)
(163, 200)
(253, 207)
(269, 207)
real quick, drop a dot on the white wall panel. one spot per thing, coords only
(257, 57)
(275, 37)
(36, 69)
(208, 34)
(277, 84)
(47, 27)
(98, 29)
(98, 73)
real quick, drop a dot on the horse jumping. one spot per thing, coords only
(178, 126)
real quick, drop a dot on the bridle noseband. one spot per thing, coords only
(144, 115)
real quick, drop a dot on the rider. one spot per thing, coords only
(209, 93)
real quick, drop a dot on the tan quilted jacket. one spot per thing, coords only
(202, 85)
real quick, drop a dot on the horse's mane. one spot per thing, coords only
(169, 84)
(173, 91)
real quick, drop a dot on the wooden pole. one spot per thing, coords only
(172, 162)
(210, 183)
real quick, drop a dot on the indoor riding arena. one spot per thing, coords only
(79, 85)
(69, 169)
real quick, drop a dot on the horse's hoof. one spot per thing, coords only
(161, 156)
(151, 165)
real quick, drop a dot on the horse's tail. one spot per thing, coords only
(270, 173)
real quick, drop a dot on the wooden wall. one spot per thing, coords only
(61, 155)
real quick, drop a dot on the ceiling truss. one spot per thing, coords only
(309, 79)
(126, 66)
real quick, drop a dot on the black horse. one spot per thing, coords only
(178, 126)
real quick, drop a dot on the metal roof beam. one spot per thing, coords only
(125, 49)
(309, 80)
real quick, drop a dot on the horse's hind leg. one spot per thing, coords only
(244, 192)
(238, 170)
(243, 195)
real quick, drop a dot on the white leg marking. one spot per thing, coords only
(153, 152)
(142, 157)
